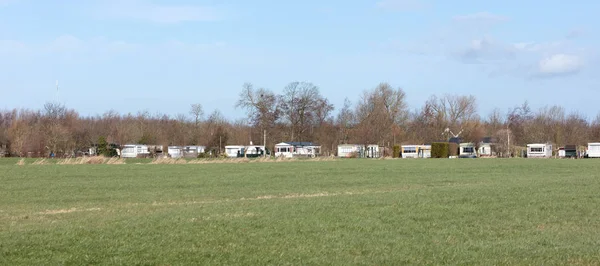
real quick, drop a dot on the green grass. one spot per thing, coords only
(376, 212)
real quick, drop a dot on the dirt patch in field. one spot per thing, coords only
(225, 216)
(263, 197)
(61, 211)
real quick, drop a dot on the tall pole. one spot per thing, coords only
(57, 93)
(508, 140)
(219, 145)
(265, 141)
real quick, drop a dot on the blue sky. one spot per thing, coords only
(162, 56)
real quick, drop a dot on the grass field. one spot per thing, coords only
(376, 212)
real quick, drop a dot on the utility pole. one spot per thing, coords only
(219, 145)
(265, 142)
(508, 139)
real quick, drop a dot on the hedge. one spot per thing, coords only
(396, 151)
(439, 150)
(452, 149)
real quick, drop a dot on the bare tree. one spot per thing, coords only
(379, 112)
(575, 129)
(302, 107)
(517, 121)
(261, 108)
(345, 122)
(452, 110)
(197, 113)
(494, 122)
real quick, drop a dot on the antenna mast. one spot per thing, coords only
(57, 93)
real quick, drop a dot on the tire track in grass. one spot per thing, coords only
(261, 198)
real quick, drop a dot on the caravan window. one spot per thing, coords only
(537, 149)
(468, 149)
(410, 150)
(346, 149)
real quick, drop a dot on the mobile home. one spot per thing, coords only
(233, 151)
(135, 151)
(372, 151)
(467, 150)
(193, 151)
(425, 151)
(297, 149)
(348, 150)
(410, 151)
(538, 150)
(416, 151)
(486, 148)
(358, 150)
(175, 151)
(568, 151)
(253, 151)
(593, 150)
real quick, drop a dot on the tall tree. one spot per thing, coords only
(345, 121)
(261, 108)
(379, 112)
(303, 106)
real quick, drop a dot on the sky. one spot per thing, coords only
(163, 56)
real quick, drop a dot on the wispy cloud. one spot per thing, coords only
(401, 5)
(485, 50)
(158, 13)
(560, 65)
(495, 56)
(481, 16)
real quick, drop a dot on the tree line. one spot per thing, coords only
(298, 113)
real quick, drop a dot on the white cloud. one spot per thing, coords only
(485, 50)
(401, 5)
(560, 64)
(481, 16)
(146, 11)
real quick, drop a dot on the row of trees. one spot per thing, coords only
(299, 113)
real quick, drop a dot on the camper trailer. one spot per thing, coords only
(253, 151)
(358, 151)
(416, 151)
(175, 151)
(593, 150)
(193, 151)
(135, 151)
(568, 151)
(297, 149)
(348, 150)
(467, 150)
(539, 150)
(233, 151)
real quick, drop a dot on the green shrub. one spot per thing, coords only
(439, 150)
(396, 153)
